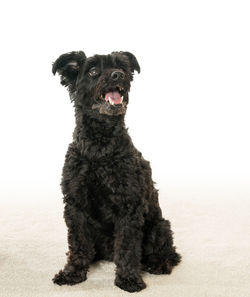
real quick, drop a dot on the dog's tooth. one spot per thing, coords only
(110, 101)
(122, 98)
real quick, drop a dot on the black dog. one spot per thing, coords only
(111, 206)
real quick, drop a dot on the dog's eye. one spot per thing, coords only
(93, 71)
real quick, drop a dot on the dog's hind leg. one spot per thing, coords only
(159, 256)
(81, 248)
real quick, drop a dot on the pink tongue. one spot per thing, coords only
(115, 97)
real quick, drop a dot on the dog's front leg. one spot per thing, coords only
(81, 248)
(127, 251)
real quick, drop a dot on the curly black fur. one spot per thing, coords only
(111, 205)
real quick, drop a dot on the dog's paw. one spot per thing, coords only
(69, 277)
(132, 283)
(164, 267)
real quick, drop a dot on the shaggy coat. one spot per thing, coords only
(111, 206)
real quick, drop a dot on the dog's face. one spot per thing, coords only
(101, 83)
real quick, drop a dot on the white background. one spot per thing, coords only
(189, 108)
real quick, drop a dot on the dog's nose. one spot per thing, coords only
(117, 74)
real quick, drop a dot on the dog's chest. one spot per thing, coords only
(108, 164)
(107, 174)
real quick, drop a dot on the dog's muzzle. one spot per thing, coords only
(111, 96)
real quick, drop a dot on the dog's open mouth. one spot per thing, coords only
(111, 101)
(114, 95)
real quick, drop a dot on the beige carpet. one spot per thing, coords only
(212, 230)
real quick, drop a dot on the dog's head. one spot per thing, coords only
(100, 83)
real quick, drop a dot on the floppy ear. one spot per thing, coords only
(67, 66)
(133, 61)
